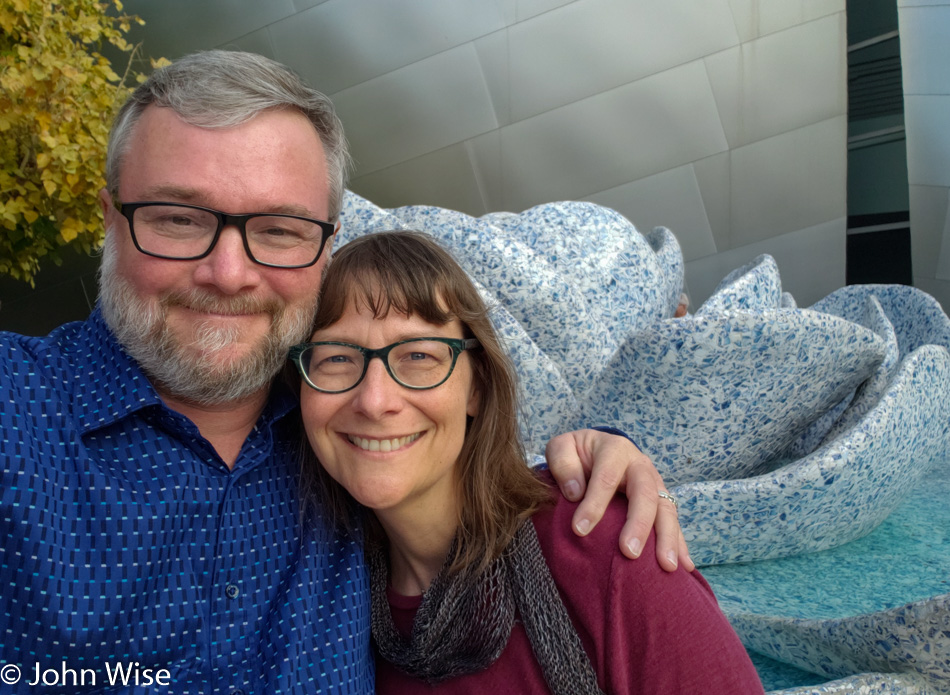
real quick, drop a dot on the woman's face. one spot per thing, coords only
(391, 447)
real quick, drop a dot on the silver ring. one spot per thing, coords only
(667, 496)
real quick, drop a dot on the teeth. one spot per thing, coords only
(382, 444)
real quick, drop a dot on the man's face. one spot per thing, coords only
(214, 330)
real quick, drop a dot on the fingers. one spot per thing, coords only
(604, 456)
(671, 547)
(648, 509)
(566, 466)
(683, 551)
(609, 472)
(642, 508)
(616, 464)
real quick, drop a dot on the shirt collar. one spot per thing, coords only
(110, 384)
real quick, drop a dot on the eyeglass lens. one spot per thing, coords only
(416, 363)
(175, 231)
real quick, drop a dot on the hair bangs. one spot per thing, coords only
(380, 282)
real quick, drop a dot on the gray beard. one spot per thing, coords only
(196, 371)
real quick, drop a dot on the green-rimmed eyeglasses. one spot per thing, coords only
(419, 363)
(188, 232)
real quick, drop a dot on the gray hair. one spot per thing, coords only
(222, 89)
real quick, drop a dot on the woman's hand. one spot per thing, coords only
(613, 464)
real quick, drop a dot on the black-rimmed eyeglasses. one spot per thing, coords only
(419, 363)
(188, 232)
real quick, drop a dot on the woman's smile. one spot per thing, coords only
(386, 444)
(417, 433)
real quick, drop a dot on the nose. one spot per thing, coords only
(228, 268)
(378, 393)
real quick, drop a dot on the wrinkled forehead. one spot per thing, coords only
(272, 162)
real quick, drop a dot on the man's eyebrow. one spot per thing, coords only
(297, 210)
(176, 194)
(192, 196)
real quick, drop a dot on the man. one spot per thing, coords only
(149, 499)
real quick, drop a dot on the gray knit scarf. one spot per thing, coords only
(464, 621)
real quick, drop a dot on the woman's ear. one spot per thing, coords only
(471, 409)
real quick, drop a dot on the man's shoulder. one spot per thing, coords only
(62, 342)
(40, 369)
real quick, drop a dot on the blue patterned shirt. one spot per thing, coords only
(126, 540)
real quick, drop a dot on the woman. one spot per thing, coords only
(477, 583)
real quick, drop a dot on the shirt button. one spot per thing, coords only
(236, 692)
(231, 591)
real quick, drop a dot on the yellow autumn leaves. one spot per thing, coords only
(57, 98)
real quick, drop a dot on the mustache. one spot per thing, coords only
(210, 302)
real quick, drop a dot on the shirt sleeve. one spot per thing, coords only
(618, 432)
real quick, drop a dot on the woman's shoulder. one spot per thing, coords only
(636, 609)
(594, 562)
(559, 542)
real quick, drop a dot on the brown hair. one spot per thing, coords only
(408, 272)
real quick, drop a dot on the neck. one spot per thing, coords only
(225, 425)
(418, 545)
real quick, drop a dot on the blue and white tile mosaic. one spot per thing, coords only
(912, 638)
(717, 396)
(786, 430)
(878, 604)
(670, 258)
(870, 391)
(867, 684)
(755, 285)
(917, 317)
(838, 492)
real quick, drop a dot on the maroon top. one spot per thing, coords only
(646, 630)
